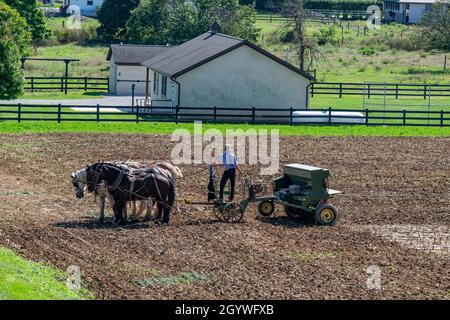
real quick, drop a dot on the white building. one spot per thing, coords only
(406, 11)
(126, 69)
(87, 7)
(210, 70)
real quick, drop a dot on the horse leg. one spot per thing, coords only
(112, 202)
(142, 205)
(118, 212)
(148, 215)
(160, 211)
(124, 215)
(134, 213)
(101, 204)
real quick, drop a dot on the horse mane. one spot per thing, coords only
(174, 170)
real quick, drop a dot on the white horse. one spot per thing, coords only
(79, 182)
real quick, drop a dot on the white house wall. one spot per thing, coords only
(85, 9)
(243, 78)
(416, 10)
(128, 75)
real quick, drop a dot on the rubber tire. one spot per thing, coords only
(270, 212)
(319, 220)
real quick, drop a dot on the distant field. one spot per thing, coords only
(344, 62)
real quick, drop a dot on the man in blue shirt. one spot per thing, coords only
(230, 164)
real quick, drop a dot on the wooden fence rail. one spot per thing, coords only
(338, 89)
(64, 113)
(73, 83)
(341, 89)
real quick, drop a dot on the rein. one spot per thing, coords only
(195, 173)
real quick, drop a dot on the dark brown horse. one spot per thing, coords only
(126, 185)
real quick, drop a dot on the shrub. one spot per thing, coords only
(327, 35)
(367, 51)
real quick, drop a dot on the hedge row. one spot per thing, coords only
(339, 4)
(317, 4)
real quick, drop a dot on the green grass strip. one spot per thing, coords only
(168, 128)
(25, 280)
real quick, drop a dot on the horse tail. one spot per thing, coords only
(172, 194)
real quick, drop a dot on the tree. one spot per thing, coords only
(148, 22)
(14, 40)
(294, 11)
(113, 16)
(175, 21)
(436, 26)
(29, 10)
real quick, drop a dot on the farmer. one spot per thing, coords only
(230, 164)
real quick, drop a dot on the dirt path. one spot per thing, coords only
(397, 199)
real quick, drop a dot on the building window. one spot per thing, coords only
(155, 82)
(90, 3)
(164, 86)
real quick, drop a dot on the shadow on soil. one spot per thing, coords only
(287, 222)
(93, 224)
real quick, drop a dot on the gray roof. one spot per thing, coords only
(132, 54)
(202, 49)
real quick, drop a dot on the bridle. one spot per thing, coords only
(93, 176)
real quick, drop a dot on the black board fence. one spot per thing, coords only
(338, 89)
(65, 113)
(73, 83)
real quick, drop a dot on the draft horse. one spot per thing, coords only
(125, 186)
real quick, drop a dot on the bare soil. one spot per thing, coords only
(395, 214)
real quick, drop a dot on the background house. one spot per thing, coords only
(406, 11)
(87, 7)
(126, 67)
(214, 69)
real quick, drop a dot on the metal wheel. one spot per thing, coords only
(233, 212)
(266, 208)
(218, 213)
(326, 215)
(296, 213)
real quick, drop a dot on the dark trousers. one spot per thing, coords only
(228, 174)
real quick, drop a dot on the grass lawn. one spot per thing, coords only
(58, 95)
(92, 61)
(345, 63)
(10, 127)
(25, 280)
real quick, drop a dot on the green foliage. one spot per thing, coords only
(327, 34)
(339, 4)
(162, 22)
(29, 10)
(113, 16)
(14, 40)
(436, 26)
(12, 79)
(365, 51)
(24, 280)
(149, 23)
(87, 34)
(14, 27)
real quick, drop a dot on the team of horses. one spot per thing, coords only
(123, 183)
